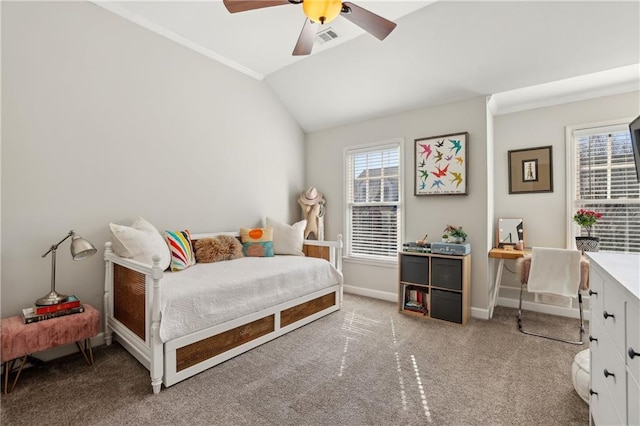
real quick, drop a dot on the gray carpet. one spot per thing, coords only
(363, 365)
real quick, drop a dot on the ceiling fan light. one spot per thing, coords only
(322, 11)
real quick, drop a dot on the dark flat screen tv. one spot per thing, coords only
(634, 128)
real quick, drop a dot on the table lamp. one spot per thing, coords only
(80, 249)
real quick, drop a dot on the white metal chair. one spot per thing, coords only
(555, 262)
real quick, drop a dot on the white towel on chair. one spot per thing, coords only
(552, 299)
(554, 275)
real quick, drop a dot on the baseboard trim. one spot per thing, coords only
(479, 313)
(374, 294)
(544, 309)
(64, 350)
(393, 297)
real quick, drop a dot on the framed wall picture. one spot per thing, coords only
(531, 170)
(441, 165)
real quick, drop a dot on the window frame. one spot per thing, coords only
(369, 147)
(572, 229)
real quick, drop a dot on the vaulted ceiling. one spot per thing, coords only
(440, 51)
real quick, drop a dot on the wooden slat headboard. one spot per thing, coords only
(129, 299)
(316, 251)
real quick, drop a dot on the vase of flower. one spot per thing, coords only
(586, 219)
(587, 244)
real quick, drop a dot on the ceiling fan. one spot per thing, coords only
(320, 11)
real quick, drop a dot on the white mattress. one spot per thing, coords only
(208, 294)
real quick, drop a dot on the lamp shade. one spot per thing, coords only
(81, 248)
(322, 11)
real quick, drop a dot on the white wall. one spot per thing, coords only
(424, 214)
(545, 214)
(104, 121)
(88, 93)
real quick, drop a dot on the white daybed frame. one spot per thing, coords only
(132, 312)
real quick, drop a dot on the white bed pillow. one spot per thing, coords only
(140, 241)
(287, 239)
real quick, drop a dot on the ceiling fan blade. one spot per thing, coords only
(307, 36)
(234, 6)
(376, 25)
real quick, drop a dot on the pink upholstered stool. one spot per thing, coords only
(524, 265)
(20, 340)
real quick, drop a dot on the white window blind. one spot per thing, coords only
(373, 201)
(605, 182)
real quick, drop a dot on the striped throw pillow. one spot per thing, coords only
(182, 255)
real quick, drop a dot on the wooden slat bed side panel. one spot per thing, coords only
(303, 310)
(204, 349)
(317, 251)
(129, 299)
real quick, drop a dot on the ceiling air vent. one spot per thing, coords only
(326, 35)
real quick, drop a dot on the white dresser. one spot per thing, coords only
(614, 327)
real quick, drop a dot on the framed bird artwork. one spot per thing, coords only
(441, 165)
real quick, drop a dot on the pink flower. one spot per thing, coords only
(586, 219)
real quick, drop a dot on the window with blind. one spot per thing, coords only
(604, 180)
(373, 201)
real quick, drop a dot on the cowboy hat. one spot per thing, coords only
(311, 196)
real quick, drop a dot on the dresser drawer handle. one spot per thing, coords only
(591, 292)
(607, 315)
(633, 353)
(592, 339)
(607, 373)
(592, 392)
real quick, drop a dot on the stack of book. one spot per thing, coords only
(415, 300)
(44, 312)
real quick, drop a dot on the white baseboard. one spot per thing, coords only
(479, 313)
(393, 297)
(375, 294)
(544, 309)
(64, 350)
(509, 297)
